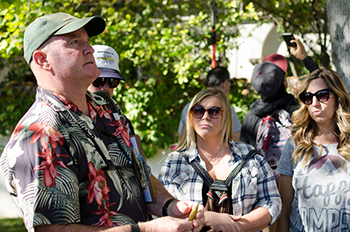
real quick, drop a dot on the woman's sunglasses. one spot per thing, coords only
(214, 112)
(321, 96)
(100, 81)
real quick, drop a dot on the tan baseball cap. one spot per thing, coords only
(57, 24)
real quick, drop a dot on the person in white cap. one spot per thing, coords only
(69, 163)
(107, 60)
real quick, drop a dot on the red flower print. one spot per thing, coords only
(125, 135)
(97, 187)
(71, 106)
(121, 129)
(68, 104)
(49, 166)
(105, 220)
(17, 129)
(93, 112)
(104, 112)
(46, 133)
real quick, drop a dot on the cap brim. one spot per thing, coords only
(111, 73)
(93, 25)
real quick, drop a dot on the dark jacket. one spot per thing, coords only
(261, 108)
(310, 64)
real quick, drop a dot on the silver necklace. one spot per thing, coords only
(214, 158)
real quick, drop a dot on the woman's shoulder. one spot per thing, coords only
(174, 161)
(183, 155)
(241, 149)
(290, 142)
(241, 145)
(176, 154)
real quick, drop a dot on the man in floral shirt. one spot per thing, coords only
(69, 159)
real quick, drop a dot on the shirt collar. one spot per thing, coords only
(61, 103)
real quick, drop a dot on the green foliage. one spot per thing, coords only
(164, 49)
(16, 98)
(169, 56)
(12, 225)
(242, 95)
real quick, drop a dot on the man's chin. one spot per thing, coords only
(93, 88)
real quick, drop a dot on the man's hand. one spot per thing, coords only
(182, 209)
(168, 224)
(298, 51)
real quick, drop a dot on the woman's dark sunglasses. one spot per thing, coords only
(100, 81)
(214, 112)
(321, 95)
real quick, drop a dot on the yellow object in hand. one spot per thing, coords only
(193, 212)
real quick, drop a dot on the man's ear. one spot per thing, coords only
(223, 84)
(40, 58)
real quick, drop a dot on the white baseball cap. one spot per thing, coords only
(107, 60)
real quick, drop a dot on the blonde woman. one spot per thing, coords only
(248, 202)
(314, 166)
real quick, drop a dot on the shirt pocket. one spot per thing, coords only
(250, 177)
(183, 185)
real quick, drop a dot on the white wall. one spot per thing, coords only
(255, 43)
(157, 160)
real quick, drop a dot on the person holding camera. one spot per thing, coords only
(299, 52)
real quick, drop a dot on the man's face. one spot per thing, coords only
(225, 86)
(104, 85)
(71, 58)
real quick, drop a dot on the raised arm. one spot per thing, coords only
(300, 53)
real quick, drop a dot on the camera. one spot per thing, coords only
(288, 37)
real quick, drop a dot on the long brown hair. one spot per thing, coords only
(304, 128)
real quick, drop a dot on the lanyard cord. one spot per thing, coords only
(88, 134)
(110, 135)
(119, 145)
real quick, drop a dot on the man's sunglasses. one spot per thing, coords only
(214, 112)
(321, 95)
(100, 81)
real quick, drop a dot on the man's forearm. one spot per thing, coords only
(161, 195)
(80, 228)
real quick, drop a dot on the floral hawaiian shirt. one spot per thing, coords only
(66, 167)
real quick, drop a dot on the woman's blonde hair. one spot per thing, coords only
(188, 137)
(304, 128)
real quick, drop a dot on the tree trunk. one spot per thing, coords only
(338, 14)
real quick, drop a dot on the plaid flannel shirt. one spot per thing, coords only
(253, 187)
